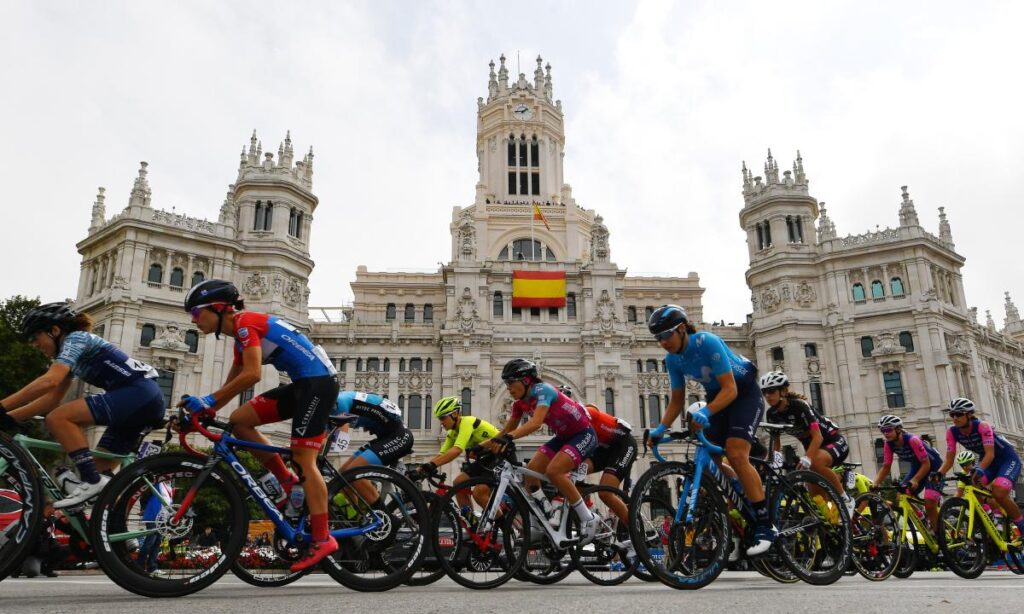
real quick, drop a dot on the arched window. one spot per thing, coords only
(858, 292)
(430, 367)
(410, 312)
(415, 412)
(631, 314)
(415, 364)
(198, 277)
(526, 249)
(373, 364)
(639, 366)
(467, 401)
(390, 312)
(156, 274)
(896, 286)
(192, 341)
(907, 341)
(177, 278)
(498, 305)
(401, 365)
(428, 313)
(877, 289)
(512, 154)
(652, 365)
(401, 404)
(648, 312)
(148, 334)
(359, 364)
(387, 365)
(260, 217)
(268, 220)
(570, 305)
(609, 401)
(534, 154)
(295, 223)
(653, 409)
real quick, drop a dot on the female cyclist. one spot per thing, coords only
(923, 460)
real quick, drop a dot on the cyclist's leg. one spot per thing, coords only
(1006, 475)
(129, 419)
(540, 461)
(272, 406)
(574, 451)
(622, 455)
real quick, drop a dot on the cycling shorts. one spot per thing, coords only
(741, 417)
(308, 402)
(126, 412)
(617, 457)
(1006, 473)
(387, 449)
(838, 449)
(578, 446)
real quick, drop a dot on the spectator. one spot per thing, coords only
(150, 550)
(207, 539)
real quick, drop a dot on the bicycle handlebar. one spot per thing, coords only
(702, 439)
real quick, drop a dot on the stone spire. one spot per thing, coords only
(989, 322)
(771, 169)
(227, 209)
(253, 157)
(492, 83)
(502, 74)
(798, 170)
(826, 227)
(748, 179)
(548, 89)
(141, 193)
(945, 234)
(908, 215)
(99, 211)
(1012, 315)
(538, 76)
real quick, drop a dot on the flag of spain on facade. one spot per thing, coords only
(538, 216)
(538, 288)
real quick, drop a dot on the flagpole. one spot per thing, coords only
(533, 242)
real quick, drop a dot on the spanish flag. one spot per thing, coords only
(538, 288)
(537, 215)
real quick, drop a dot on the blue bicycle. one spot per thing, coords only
(378, 516)
(707, 528)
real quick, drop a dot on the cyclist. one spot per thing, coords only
(966, 460)
(382, 419)
(923, 460)
(735, 405)
(130, 403)
(464, 433)
(998, 462)
(261, 338)
(574, 440)
(824, 446)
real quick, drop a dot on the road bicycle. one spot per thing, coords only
(972, 537)
(916, 546)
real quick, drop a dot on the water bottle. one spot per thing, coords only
(556, 514)
(295, 501)
(543, 502)
(67, 479)
(272, 487)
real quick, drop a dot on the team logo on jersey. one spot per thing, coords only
(243, 332)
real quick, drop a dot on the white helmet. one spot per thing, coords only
(774, 379)
(966, 457)
(960, 404)
(890, 420)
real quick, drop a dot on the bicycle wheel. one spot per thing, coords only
(545, 563)
(908, 562)
(684, 556)
(430, 570)
(607, 560)
(814, 528)
(388, 555)
(652, 513)
(475, 556)
(118, 521)
(964, 549)
(266, 566)
(874, 538)
(23, 497)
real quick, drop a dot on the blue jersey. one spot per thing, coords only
(979, 435)
(914, 451)
(705, 358)
(376, 414)
(100, 363)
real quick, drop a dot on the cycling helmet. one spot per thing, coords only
(966, 457)
(211, 292)
(666, 318)
(44, 316)
(518, 369)
(960, 404)
(694, 408)
(889, 420)
(774, 379)
(567, 391)
(447, 406)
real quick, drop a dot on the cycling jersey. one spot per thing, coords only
(801, 420)
(705, 358)
(470, 432)
(284, 347)
(376, 415)
(608, 427)
(914, 451)
(565, 416)
(981, 434)
(100, 363)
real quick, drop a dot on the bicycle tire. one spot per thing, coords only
(274, 562)
(965, 554)
(814, 530)
(650, 503)
(18, 474)
(691, 558)
(388, 556)
(118, 513)
(464, 555)
(430, 570)
(908, 562)
(606, 550)
(874, 536)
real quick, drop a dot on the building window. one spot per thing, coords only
(359, 364)
(896, 286)
(148, 334)
(795, 229)
(390, 312)
(415, 364)
(858, 292)
(877, 289)
(893, 389)
(177, 278)
(816, 400)
(648, 312)
(653, 409)
(639, 366)
(764, 235)
(401, 365)
(430, 367)
(198, 277)
(192, 341)
(373, 364)
(524, 249)
(259, 219)
(387, 365)
(410, 312)
(643, 414)
(156, 274)
(511, 181)
(609, 401)
(652, 366)
(428, 313)
(570, 305)
(165, 379)
(810, 350)
(511, 150)
(517, 314)
(498, 305)
(428, 405)
(760, 236)
(879, 451)
(99, 330)
(534, 152)
(268, 218)
(415, 412)
(295, 223)
(907, 341)
(778, 354)
(553, 314)
(467, 401)
(631, 314)
(867, 345)
(401, 405)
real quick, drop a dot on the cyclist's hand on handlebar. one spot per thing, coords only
(654, 435)
(8, 423)
(499, 443)
(197, 404)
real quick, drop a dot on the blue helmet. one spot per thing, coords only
(666, 317)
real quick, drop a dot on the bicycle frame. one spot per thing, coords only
(909, 506)
(970, 495)
(511, 476)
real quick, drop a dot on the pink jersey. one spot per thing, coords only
(565, 416)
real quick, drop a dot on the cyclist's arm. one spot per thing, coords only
(241, 377)
(40, 386)
(510, 426)
(726, 395)
(988, 457)
(883, 472)
(815, 444)
(922, 472)
(44, 404)
(988, 443)
(675, 407)
(948, 461)
(535, 422)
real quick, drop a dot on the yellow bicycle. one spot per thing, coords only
(911, 541)
(972, 538)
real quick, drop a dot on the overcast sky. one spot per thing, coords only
(663, 101)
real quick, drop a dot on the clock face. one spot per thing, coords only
(521, 111)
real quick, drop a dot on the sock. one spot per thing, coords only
(281, 471)
(582, 511)
(760, 511)
(318, 522)
(846, 498)
(86, 465)
(464, 510)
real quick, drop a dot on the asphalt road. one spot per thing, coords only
(736, 592)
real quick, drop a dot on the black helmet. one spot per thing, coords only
(666, 317)
(44, 316)
(210, 292)
(517, 369)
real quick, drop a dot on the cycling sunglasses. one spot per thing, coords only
(775, 389)
(957, 414)
(195, 311)
(887, 429)
(666, 334)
